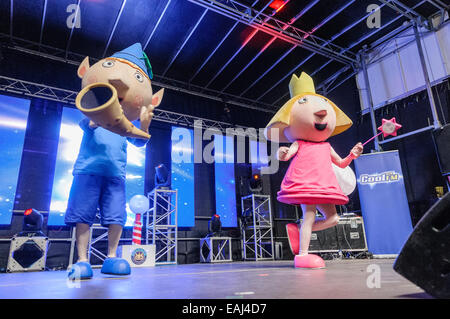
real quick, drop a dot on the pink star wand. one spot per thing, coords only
(388, 127)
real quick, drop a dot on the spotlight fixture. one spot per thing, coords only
(277, 5)
(214, 225)
(32, 223)
(162, 177)
(255, 184)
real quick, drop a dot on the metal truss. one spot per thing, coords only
(257, 232)
(68, 57)
(162, 225)
(30, 89)
(404, 10)
(306, 9)
(279, 29)
(93, 251)
(331, 82)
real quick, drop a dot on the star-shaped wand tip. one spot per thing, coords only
(389, 127)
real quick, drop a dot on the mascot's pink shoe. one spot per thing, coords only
(293, 237)
(309, 261)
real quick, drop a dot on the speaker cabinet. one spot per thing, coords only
(442, 138)
(425, 257)
(347, 235)
(27, 254)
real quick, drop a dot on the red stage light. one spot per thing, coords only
(28, 211)
(277, 5)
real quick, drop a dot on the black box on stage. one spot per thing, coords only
(351, 235)
(324, 241)
(442, 138)
(27, 253)
(347, 235)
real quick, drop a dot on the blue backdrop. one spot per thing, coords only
(384, 204)
(13, 123)
(225, 180)
(70, 137)
(182, 175)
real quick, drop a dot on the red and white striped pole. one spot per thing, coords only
(137, 230)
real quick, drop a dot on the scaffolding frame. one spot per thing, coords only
(92, 251)
(259, 232)
(162, 225)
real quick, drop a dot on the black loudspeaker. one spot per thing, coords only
(425, 257)
(442, 138)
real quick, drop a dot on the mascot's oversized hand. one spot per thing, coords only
(282, 153)
(357, 150)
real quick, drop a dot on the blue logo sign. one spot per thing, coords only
(385, 177)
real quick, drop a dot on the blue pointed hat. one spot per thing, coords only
(137, 56)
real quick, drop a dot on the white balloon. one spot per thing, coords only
(346, 179)
(139, 204)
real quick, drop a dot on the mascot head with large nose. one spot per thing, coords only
(125, 76)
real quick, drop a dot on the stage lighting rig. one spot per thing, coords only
(255, 184)
(214, 225)
(162, 177)
(32, 223)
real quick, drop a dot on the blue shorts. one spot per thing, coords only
(90, 192)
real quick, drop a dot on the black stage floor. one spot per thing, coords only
(346, 279)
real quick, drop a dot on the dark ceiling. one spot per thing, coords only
(199, 49)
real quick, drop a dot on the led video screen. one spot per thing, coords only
(13, 124)
(69, 144)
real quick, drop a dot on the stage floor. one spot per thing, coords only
(265, 279)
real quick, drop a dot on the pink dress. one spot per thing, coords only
(310, 178)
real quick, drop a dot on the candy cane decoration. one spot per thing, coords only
(137, 230)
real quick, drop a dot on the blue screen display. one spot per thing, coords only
(182, 174)
(224, 179)
(70, 137)
(258, 154)
(13, 124)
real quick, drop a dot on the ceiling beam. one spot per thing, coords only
(56, 54)
(11, 15)
(243, 45)
(360, 40)
(268, 43)
(274, 27)
(77, 12)
(406, 11)
(114, 27)
(44, 14)
(216, 48)
(185, 41)
(157, 24)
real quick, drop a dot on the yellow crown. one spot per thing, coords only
(300, 85)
